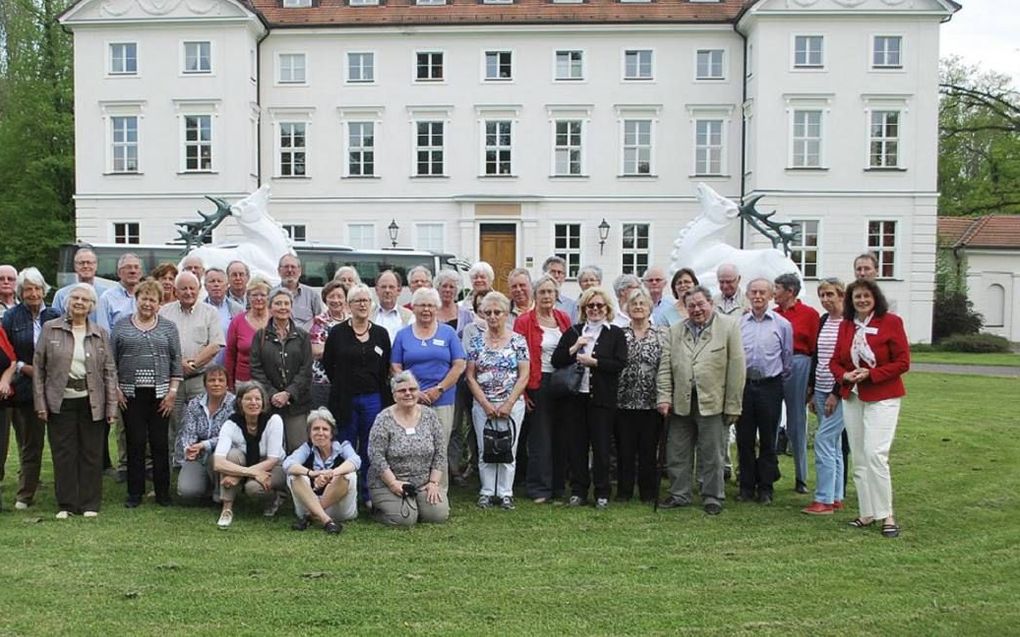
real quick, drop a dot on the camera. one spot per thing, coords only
(409, 490)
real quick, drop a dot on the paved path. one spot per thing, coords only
(974, 370)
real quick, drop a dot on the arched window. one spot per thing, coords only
(996, 297)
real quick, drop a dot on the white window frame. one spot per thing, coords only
(497, 124)
(574, 144)
(110, 72)
(360, 243)
(884, 102)
(116, 146)
(422, 242)
(708, 77)
(297, 4)
(884, 140)
(808, 102)
(638, 77)
(360, 115)
(430, 3)
(497, 113)
(367, 153)
(295, 229)
(874, 51)
(498, 53)
(429, 113)
(749, 133)
(278, 159)
(703, 167)
(184, 57)
(430, 148)
(626, 112)
(349, 68)
(122, 108)
(800, 250)
(363, 3)
(294, 55)
(574, 256)
(886, 255)
(199, 144)
(801, 139)
(635, 252)
(442, 66)
(807, 64)
(580, 65)
(128, 226)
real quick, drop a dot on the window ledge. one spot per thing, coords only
(123, 174)
(807, 169)
(291, 177)
(709, 176)
(569, 177)
(361, 177)
(497, 176)
(649, 176)
(197, 172)
(885, 169)
(430, 176)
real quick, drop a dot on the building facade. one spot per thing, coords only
(508, 130)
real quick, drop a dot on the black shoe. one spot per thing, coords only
(800, 488)
(765, 498)
(727, 473)
(673, 502)
(121, 477)
(164, 502)
(300, 524)
(745, 496)
(131, 503)
(332, 528)
(713, 508)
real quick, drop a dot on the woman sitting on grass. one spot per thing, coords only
(322, 476)
(200, 432)
(248, 453)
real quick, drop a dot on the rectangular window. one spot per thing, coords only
(567, 246)
(125, 232)
(429, 66)
(197, 57)
(887, 52)
(361, 67)
(635, 248)
(710, 64)
(296, 232)
(568, 147)
(807, 139)
(498, 65)
(360, 149)
(361, 236)
(428, 148)
(297, 4)
(884, 139)
(637, 147)
(807, 51)
(363, 3)
(125, 144)
(123, 58)
(882, 244)
(498, 147)
(708, 147)
(637, 65)
(804, 249)
(430, 2)
(292, 149)
(569, 65)
(197, 142)
(430, 237)
(292, 68)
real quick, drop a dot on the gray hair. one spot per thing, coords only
(590, 269)
(247, 271)
(542, 280)
(768, 284)
(727, 267)
(639, 293)
(322, 414)
(789, 281)
(403, 376)
(183, 275)
(192, 258)
(698, 289)
(422, 295)
(214, 368)
(497, 298)
(345, 269)
(419, 268)
(216, 270)
(623, 282)
(361, 288)
(253, 385)
(280, 291)
(288, 256)
(553, 259)
(31, 276)
(481, 267)
(124, 258)
(88, 289)
(392, 273)
(446, 275)
(519, 272)
(83, 250)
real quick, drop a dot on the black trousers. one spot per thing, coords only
(590, 428)
(76, 445)
(144, 424)
(547, 444)
(761, 410)
(637, 440)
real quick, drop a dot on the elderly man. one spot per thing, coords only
(866, 267)
(418, 277)
(804, 320)
(654, 280)
(388, 314)
(307, 304)
(119, 301)
(193, 264)
(198, 325)
(699, 385)
(556, 267)
(729, 301)
(521, 295)
(216, 291)
(623, 285)
(85, 263)
(238, 276)
(8, 279)
(768, 351)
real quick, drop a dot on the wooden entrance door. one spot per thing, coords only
(498, 247)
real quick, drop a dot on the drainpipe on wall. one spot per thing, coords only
(743, 131)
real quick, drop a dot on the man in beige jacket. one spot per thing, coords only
(700, 387)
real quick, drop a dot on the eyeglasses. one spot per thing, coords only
(595, 306)
(359, 301)
(405, 390)
(492, 312)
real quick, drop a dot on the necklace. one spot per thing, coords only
(368, 326)
(145, 327)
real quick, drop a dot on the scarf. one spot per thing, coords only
(860, 351)
(252, 455)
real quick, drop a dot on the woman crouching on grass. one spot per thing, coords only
(248, 453)
(322, 476)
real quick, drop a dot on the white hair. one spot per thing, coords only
(424, 295)
(481, 267)
(31, 276)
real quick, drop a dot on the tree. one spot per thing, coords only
(36, 133)
(979, 141)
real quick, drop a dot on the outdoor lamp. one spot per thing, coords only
(394, 229)
(603, 234)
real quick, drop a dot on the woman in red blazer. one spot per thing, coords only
(872, 354)
(542, 327)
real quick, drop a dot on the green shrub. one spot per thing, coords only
(974, 343)
(918, 348)
(953, 314)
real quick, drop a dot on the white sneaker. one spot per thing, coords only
(90, 514)
(61, 515)
(21, 506)
(226, 517)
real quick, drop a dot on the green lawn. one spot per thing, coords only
(551, 571)
(961, 358)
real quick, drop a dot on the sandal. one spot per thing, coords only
(890, 530)
(859, 523)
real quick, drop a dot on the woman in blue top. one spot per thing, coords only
(432, 351)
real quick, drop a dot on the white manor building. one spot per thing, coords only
(508, 130)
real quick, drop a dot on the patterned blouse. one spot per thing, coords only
(496, 370)
(147, 358)
(410, 456)
(637, 380)
(321, 325)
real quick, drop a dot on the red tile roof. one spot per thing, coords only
(991, 231)
(406, 12)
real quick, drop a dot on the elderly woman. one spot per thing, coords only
(166, 274)
(23, 324)
(623, 285)
(497, 374)
(669, 314)
(75, 391)
(147, 349)
(200, 431)
(242, 330)
(407, 447)
(356, 359)
(281, 359)
(542, 328)
(601, 349)
(322, 476)
(248, 452)
(348, 276)
(871, 356)
(481, 276)
(447, 283)
(588, 276)
(637, 422)
(334, 295)
(434, 353)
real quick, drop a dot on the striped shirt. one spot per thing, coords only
(147, 358)
(824, 380)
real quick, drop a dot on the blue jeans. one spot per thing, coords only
(828, 452)
(364, 409)
(795, 396)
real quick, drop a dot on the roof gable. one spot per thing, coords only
(937, 7)
(105, 11)
(991, 231)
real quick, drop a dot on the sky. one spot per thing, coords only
(986, 32)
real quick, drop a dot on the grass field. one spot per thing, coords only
(961, 358)
(544, 570)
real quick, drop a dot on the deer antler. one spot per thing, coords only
(191, 233)
(777, 232)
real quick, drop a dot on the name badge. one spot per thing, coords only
(411, 431)
(378, 350)
(438, 342)
(871, 330)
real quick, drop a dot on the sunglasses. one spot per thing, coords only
(595, 306)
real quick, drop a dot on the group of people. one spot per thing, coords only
(343, 396)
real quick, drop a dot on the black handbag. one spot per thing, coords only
(566, 381)
(498, 442)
